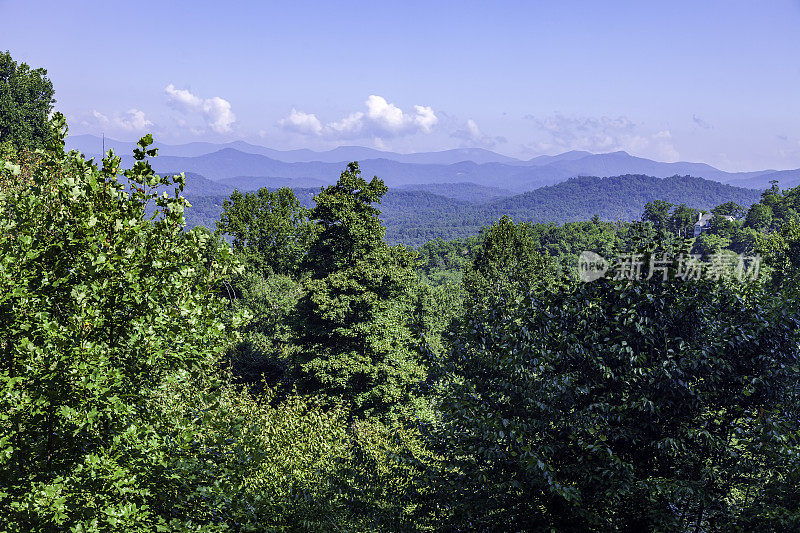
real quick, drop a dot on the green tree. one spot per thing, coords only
(114, 412)
(665, 406)
(683, 219)
(507, 266)
(775, 200)
(723, 227)
(26, 100)
(708, 244)
(354, 320)
(658, 212)
(730, 209)
(270, 230)
(100, 308)
(265, 346)
(759, 217)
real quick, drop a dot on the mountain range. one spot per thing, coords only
(242, 165)
(415, 216)
(452, 194)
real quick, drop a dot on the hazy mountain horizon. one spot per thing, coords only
(226, 161)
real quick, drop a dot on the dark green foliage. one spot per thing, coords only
(354, 319)
(267, 342)
(437, 309)
(730, 209)
(781, 249)
(337, 383)
(708, 244)
(443, 262)
(507, 266)
(349, 223)
(660, 406)
(26, 100)
(776, 202)
(682, 220)
(759, 217)
(658, 212)
(114, 413)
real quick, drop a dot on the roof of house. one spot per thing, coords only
(704, 219)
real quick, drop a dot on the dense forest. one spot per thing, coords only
(418, 214)
(289, 369)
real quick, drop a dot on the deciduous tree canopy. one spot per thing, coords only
(26, 100)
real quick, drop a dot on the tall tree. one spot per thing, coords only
(759, 217)
(729, 209)
(507, 266)
(26, 100)
(683, 219)
(354, 320)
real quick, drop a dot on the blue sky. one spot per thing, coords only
(713, 81)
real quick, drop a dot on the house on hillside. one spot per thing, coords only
(704, 221)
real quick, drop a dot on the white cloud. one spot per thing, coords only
(472, 136)
(183, 97)
(131, 120)
(300, 122)
(426, 119)
(99, 116)
(385, 115)
(349, 125)
(216, 111)
(474, 131)
(664, 149)
(601, 134)
(382, 119)
(584, 133)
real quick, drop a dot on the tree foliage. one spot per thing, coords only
(270, 230)
(660, 406)
(506, 267)
(26, 100)
(314, 378)
(354, 319)
(99, 308)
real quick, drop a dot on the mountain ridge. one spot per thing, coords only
(230, 161)
(414, 217)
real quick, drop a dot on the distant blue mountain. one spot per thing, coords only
(762, 179)
(566, 156)
(92, 145)
(414, 217)
(464, 192)
(253, 183)
(484, 168)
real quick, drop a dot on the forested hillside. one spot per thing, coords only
(413, 217)
(465, 192)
